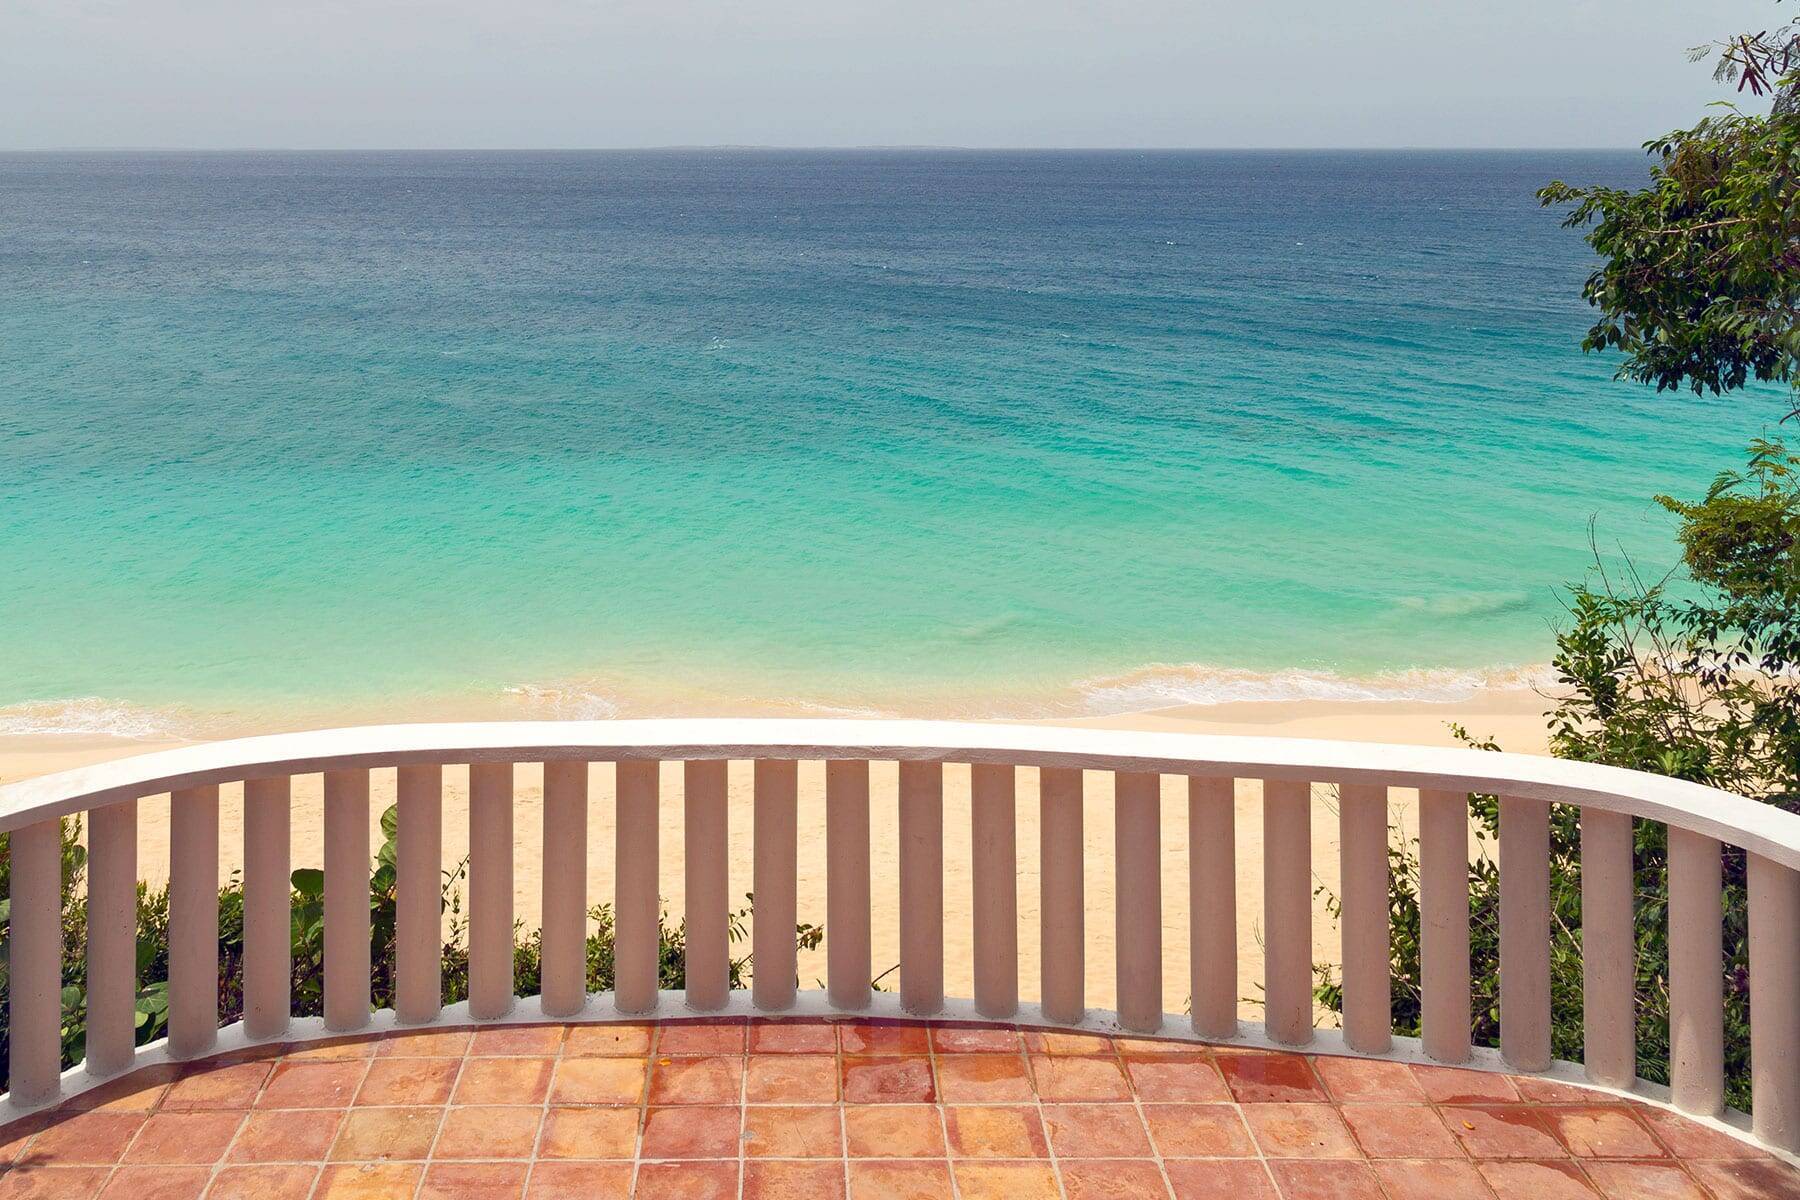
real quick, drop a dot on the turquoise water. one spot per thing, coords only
(286, 435)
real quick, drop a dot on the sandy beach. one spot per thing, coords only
(1513, 717)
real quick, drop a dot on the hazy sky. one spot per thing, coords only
(592, 73)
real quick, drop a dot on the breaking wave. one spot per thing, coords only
(1164, 685)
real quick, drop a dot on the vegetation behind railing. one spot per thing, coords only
(308, 945)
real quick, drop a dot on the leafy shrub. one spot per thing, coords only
(308, 944)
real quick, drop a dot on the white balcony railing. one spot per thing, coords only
(1699, 820)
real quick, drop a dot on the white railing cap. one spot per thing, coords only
(1755, 826)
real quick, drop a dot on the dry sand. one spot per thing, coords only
(1513, 717)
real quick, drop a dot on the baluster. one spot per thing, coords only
(707, 816)
(849, 960)
(1062, 898)
(1287, 909)
(419, 913)
(775, 876)
(1363, 858)
(1212, 905)
(347, 961)
(193, 921)
(635, 974)
(112, 938)
(993, 840)
(1608, 949)
(1774, 1014)
(1525, 933)
(1696, 975)
(34, 1057)
(564, 969)
(490, 889)
(1444, 924)
(1137, 932)
(922, 887)
(268, 906)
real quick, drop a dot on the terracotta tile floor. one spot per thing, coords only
(813, 1111)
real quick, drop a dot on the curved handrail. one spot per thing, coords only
(1759, 828)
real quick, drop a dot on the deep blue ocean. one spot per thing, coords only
(291, 435)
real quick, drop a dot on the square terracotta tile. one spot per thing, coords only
(1503, 1131)
(1553, 1091)
(527, 1041)
(883, 1037)
(687, 1181)
(1182, 1079)
(1299, 1131)
(1198, 1131)
(696, 1080)
(1270, 1078)
(156, 1183)
(791, 1079)
(381, 1134)
(425, 1043)
(772, 1131)
(1142, 1046)
(1096, 1131)
(369, 1181)
(900, 1181)
(1454, 1085)
(1065, 1077)
(691, 1132)
(224, 1087)
(1643, 1181)
(1358, 1080)
(53, 1183)
(1223, 1179)
(1051, 1041)
(985, 1131)
(894, 1131)
(504, 1081)
(1299, 1180)
(974, 1039)
(701, 1037)
(793, 1181)
(793, 1037)
(1005, 1181)
(312, 1084)
(1437, 1179)
(1747, 1179)
(482, 1133)
(598, 1081)
(1601, 1131)
(589, 1133)
(473, 1181)
(186, 1139)
(139, 1091)
(87, 1139)
(288, 1136)
(1117, 1180)
(267, 1182)
(983, 1079)
(1688, 1140)
(891, 1080)
(1537, 1180)
(580, 1181)
(1400, 1131)
(608, 1041)
(334, 1049)
(408, 1081)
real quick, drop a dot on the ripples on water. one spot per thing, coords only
(882, 431)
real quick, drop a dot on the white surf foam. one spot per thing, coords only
(91, 716)
(1162, 685)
